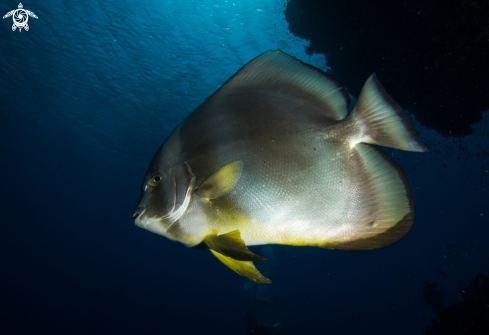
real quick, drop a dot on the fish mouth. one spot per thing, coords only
(141, 223)
(149, 223)
(153, 225)
(139, 220)
(139, 211)
(156, 225)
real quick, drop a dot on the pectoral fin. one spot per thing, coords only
(221, 182)
(245, 269)
(233, 246)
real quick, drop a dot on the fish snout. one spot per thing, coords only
(139, 210)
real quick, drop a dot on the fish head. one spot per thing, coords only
(165, 196)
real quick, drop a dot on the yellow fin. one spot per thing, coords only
(221, 182)
(245, 269)
(233, 246)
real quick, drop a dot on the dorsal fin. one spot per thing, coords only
(276, 71)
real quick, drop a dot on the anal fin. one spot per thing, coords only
(244, 268)
(390, 203)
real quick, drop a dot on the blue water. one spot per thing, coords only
(89, 93)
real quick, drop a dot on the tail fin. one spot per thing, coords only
(382, 120)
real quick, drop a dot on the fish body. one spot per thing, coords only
(273, 157)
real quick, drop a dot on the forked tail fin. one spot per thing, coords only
(382, 120)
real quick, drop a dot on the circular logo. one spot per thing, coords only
(20, 17)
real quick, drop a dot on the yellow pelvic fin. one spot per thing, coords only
(221, 182)
(245, 269)
(233, 246)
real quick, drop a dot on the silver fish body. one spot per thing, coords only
(273, 157)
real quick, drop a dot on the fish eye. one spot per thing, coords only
(156, 179)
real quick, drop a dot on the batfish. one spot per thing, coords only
(272, 157)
